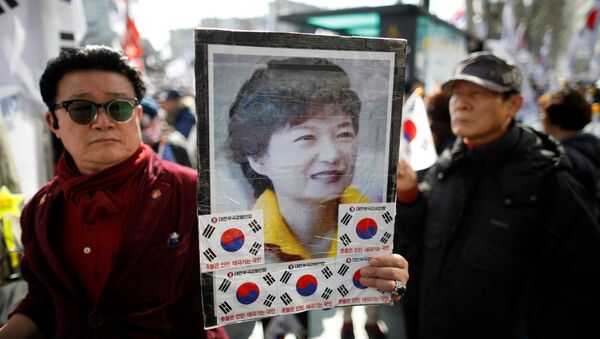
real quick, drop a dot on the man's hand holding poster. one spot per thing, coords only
(297, 146)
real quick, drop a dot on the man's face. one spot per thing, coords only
(313, 160)
(480, 115)
(168, 105)
(104, 142)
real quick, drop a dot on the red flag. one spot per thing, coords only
(132, 41)
(132, 44)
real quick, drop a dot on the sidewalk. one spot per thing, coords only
(327, 324)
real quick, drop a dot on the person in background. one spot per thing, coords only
(179, 115)
(170, 146)
(438, 111)
(412, 85)
(564, 114)
(501, 239)
(110, 242)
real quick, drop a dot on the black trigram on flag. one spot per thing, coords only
(255, 248)
(269, 300)
(225, 285)
(381, 291)
(286, 298)
(11, 3)
(209, 254)
(67, 40)
(345, 239)
(346, 219)
(327, 272)
(387, 217)
(285, 277)
(208, 231)
(268, 278)
(343, 290)
(343, 269)
(327, 293)
(225, 307)
(254, 226)
(385, 238)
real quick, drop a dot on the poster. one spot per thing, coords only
(297, 151)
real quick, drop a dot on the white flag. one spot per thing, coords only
(509, 34)
(32, 32)
(581, 49)
(416, 141)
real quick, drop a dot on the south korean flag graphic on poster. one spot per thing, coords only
(349, 290)
(306, 285)
(229, 240)
(365, 229)
(244, 294)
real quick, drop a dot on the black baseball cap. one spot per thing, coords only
(488, 71)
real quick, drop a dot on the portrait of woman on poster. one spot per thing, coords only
(293, 130)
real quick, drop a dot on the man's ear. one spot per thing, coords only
(515, 102)
(51, 122)
(257, 164)
(138, 112)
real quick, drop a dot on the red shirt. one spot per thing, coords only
(93, 217)
(88, 248)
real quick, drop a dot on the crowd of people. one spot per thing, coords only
(501, 233)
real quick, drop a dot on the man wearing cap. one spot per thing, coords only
(179, 115)
(169, 146)
(501, 242)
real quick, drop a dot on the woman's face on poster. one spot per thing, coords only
(311, 160)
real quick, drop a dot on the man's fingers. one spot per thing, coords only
(383, 272)
(389, 260)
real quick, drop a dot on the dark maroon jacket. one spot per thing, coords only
(153, 289)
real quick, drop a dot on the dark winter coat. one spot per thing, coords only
(502, 244)
(583, 150)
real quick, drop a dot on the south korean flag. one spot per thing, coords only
(244, 294)
(229, 240)
(365, 228)
(349, 290)
(306, 285)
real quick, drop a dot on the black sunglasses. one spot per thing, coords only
(84, 112)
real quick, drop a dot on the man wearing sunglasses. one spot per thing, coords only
(111, 242)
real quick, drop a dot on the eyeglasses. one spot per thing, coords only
(84, 112)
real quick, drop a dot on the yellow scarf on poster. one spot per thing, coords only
(278, 233)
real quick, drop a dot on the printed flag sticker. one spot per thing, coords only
(365, 229)
(244, 294)
(230, 240)
(306, 285)
(348, 287)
